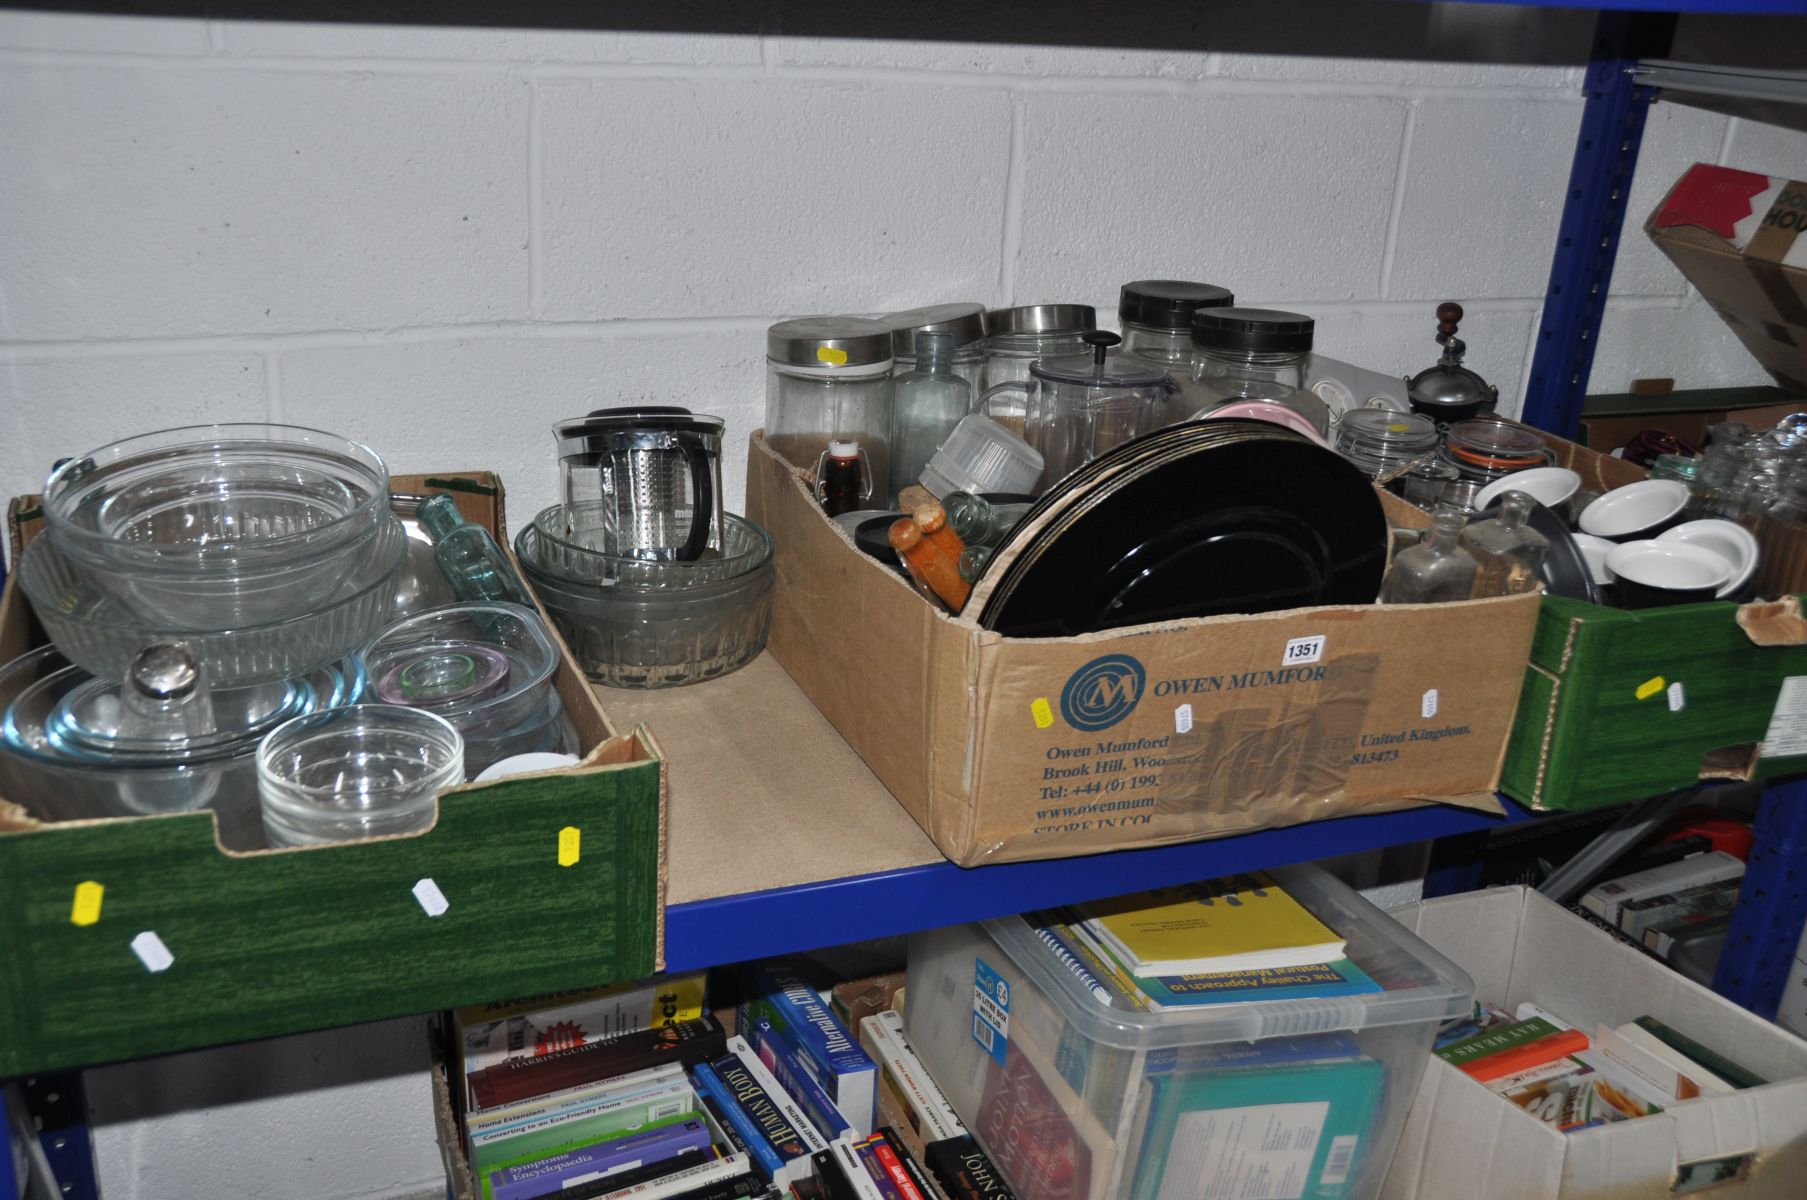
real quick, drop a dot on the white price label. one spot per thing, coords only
(1678, 699)
(1428, 708)
(1301, 651)
(1787, 734)
(1182, 719)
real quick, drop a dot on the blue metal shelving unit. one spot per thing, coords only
(758, 924)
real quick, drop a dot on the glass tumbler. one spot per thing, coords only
(364, 771)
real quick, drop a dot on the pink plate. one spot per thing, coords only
(1274, 414)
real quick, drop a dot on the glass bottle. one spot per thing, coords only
(843, 482)
(473, 564)
(1156, 315)
(1508, 552)
(978, 521)
(964, 322)
(973, 561)
(926, 405)
(1437, 569)
(928, 565)
(1258, 354)
(1721, 483)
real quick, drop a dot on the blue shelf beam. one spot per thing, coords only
(729, 929)
(1772, 904)
(1606, 156)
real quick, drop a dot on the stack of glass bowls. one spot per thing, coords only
(637, 623)
(264, 554)
(487, 668)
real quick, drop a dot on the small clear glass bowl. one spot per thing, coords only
(555, 548)
(485, 667)
(96, 630)
(364, 771)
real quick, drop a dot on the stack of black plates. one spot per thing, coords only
(1193, 520)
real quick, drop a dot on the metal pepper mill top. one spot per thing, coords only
(1450, 392)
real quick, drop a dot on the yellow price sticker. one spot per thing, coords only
(570, 845)
(1043, 712)
(86, 909)
(832, 355)
(1651, 687)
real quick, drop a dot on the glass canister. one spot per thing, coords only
(1156, 315)
(828, 379)
(965, 321)
(1016, 337)
(1081, 406)
(1255, 354)
(1381, 441)
(1487, 448)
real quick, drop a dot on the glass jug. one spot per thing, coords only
(643, 482)
(1076, 408)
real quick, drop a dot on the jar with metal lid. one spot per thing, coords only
(1381, 441)
(965, 321)
(1255, 354)
(1016, 337)
(828, 379)
(1488, 448)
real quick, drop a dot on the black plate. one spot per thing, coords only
(1255, 521)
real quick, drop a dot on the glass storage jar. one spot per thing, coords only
(1156, 315)
(1488, 448)
(1259, 354)
(965, 321)
(1381, 441)
(828, 379)
(1016, 337)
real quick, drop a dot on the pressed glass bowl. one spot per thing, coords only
(555, 543)
(180, 522)
(97, 630)
(640, 637)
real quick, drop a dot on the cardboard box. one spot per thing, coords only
(1609, 421)
(1463, 1142)
(1620, 706)
(1737, 237)
(1007, 749)
(270, 942)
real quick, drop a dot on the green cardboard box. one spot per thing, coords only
(1620, 706)
(550, 882)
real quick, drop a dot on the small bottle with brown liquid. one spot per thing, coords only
(843, 484)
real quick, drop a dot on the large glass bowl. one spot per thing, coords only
(211, 510)
(650, 637)
(554, 544)
(96, 630)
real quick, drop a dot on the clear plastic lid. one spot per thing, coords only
(1491, 438)
(1418, 984)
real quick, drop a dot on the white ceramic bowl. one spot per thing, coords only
(1728, 539)
(1549, 486)
(1594, 550)
(1651, 573)
(1637, 508)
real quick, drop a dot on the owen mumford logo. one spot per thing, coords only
(1102, 692)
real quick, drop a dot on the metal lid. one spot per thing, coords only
(1098, 369)
(1169, 303)
(1255, 330)
(1042, 318)
(965, 321)
(1442, 387)
(829, 342)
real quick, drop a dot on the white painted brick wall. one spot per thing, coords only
(441, 239)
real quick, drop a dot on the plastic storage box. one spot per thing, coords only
(1077, 1098)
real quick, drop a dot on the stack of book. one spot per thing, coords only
(1227, 941)
(1570, 1080)
(639, 1093)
